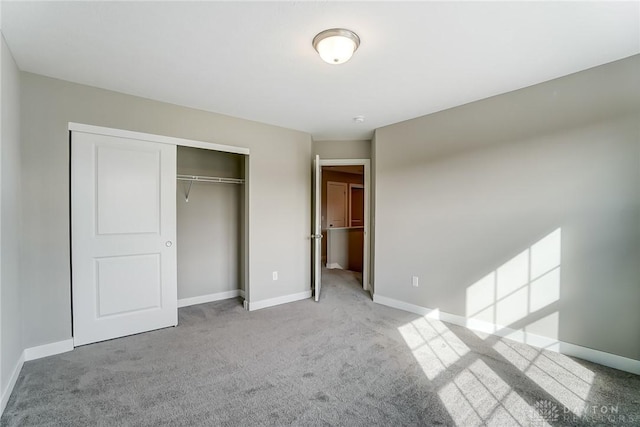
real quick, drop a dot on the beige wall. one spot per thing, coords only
(469, 200)
(11, 340)
(279, 191)
(353, 149)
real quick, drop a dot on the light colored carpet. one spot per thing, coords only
(344, 361)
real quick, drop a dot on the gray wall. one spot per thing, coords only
(279, 190)
(354, 149)
(462, 192)
(10, 292)
(208, 225)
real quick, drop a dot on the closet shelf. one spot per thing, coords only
(193, 178)
(217, 179)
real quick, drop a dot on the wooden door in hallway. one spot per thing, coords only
(337, 205)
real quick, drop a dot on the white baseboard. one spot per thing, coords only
(601, 357)
(6, 393)
(33, 353)
(279, 300)
(607, 359)
(45, 350)
(242, 294)
(333, 265)
(203, 299)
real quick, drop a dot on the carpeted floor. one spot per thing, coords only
(344, 361)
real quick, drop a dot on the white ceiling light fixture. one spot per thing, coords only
(336, 46)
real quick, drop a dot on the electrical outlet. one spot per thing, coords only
(275, 275)
(414, 281)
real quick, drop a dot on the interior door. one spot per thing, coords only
(336, 204)
(123, 225)
(317, 227)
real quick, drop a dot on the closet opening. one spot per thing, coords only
(211, 216)
(156, 223)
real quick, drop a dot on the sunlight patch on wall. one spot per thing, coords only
(478, 396)
(517, 300)
(481, 299)
(433, 345)
(524, 285)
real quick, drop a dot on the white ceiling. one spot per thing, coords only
(255, 60)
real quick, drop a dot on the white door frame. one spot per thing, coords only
(316, 267)
(366, 257)
(79, 127)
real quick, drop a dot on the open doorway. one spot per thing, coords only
(343, 214)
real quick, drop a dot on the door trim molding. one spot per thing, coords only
(99, 130)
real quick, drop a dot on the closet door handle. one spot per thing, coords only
(168, 243)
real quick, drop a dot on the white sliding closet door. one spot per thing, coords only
(123, 216)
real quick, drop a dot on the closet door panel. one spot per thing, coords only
(123, 233)
(128, 180)
(137, 277)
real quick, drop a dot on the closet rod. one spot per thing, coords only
(210, 179)
(191, 178)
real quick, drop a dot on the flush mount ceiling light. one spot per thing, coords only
(336, 46)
